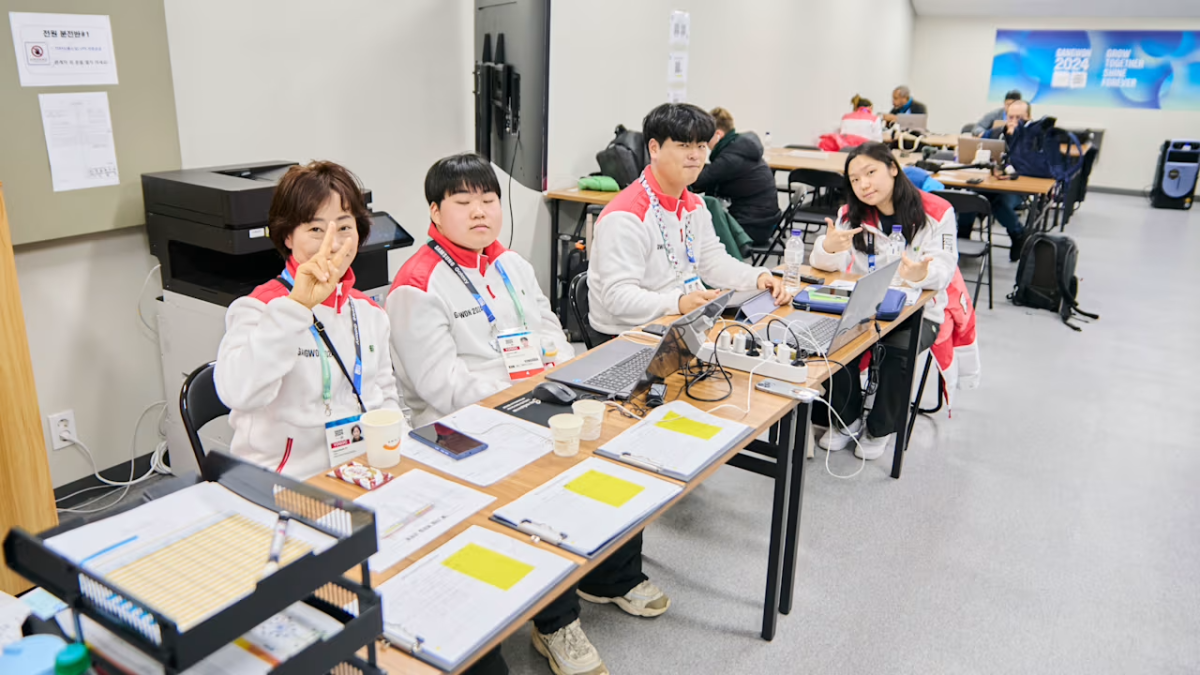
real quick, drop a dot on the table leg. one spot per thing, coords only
(791, 551)
(779, 516)
(914, 341)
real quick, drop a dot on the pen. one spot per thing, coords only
(407, 520)
(277, 542)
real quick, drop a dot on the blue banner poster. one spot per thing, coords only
(1158, 70)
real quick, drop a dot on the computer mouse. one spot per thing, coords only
(553, 392)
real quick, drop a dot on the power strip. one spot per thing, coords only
(760, 366)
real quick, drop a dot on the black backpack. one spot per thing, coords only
(1046, 277)
(1035, 150)
(625, 157)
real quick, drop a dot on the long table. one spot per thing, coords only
(783, 420)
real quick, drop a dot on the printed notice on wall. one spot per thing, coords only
(63, 50)
(677, 67)
(79, 140)
(681, 29)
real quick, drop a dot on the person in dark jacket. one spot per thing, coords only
(903, 104)
(739, 174)
(1004, 205)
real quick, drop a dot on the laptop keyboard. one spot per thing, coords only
(625, 374)
(822, 331)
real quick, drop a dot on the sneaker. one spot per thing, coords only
(836, 439)
(645, 599)
(569, 651)
(870, 447)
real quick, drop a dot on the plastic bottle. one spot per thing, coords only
(74, 659)
(767, 140)
(898, 245)
(793, 258)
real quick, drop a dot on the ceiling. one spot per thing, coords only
(1065, 8)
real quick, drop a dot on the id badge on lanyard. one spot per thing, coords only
(522, 357)
(496, 335)
(692, 282)
(344, 440)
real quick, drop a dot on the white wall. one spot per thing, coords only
(381, 87)
(785, 66)
(952, 63)
(90, 353)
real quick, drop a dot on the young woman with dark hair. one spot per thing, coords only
(879, 198)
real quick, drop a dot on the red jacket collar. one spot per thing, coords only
(464, 257)
(687, 200)
(335, 300)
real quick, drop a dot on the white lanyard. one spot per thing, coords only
(662, 229)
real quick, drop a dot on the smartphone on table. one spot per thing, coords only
(449, 442)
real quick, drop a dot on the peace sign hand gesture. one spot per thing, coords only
(837, 240)
(912, 271)
(317, 278)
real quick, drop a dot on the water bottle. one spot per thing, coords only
(767, 140)
(898, 245)
(793, 258)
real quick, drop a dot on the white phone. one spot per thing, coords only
(788, 389)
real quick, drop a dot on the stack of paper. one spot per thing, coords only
(450, 603)
(512, 444)
(676, 440)
(588, 505)
(413, 510)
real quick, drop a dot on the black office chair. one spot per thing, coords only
(968, 128)
(199, 405)
(822, 201)
(976, 205)
(579, 309)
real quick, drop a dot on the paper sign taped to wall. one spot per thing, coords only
(79, 140)
(63, 50)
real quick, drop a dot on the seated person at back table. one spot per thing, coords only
(280, 380)
(879, 197)
(862, 121)
(988, 121)
(739, 173)
(654, 244)
(903, 104)
(1004, 205)
(449, 306)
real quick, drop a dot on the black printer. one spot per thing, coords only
(208, 229)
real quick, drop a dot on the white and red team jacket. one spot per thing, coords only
(938, 240)
(442, 342)
(269, 373)
(862, 123)
(631, 281)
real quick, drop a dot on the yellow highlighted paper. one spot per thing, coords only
(688, 427)
(483, 564)
(604, 488)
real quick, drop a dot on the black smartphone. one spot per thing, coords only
(657, 395)
(655, 329)
(829, 290)
(452, 443)
(974, 181)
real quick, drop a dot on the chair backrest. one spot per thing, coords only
(816, 178)
(967, 128)
(578, 294)
(966, 202)
(199, 405)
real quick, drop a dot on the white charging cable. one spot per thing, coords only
(157, 465)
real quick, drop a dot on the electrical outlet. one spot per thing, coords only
(60, 422)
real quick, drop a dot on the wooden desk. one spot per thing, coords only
(1022, 185)
(785, 420)
(782, 159)
(26, 491)
(556, 197)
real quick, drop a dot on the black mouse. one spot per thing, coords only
(553, 392)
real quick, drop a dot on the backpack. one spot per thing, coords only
(1046, 277)
(625, 157)
(1035, 150)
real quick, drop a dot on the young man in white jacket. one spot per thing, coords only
(280, 379)
(880, 198)
(654, 247)
(455, 306)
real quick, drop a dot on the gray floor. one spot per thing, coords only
(1051, 526)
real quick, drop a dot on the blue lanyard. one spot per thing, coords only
(317, 332)
(462, 276)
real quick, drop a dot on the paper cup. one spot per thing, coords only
(565, 431)
(383, 431)
(592, 413)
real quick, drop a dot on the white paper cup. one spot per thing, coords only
(592, 413)
(565, 430)
(383, 431)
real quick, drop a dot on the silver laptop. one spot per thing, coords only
(912, 122)
(969, 145)
(822, 334)
(622, 367)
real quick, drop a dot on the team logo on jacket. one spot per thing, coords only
(468, 313)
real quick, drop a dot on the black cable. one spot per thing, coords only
(512, 220)
(715, 367)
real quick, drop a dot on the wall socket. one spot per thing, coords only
(60, 422)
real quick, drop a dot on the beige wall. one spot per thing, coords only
(952, 63)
